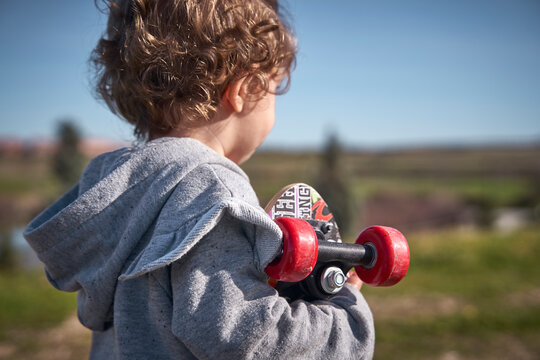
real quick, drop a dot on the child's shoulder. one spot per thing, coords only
(212, 181)
(182, 165)
(197, 176)
(201, 167)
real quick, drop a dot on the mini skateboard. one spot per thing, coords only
(314, 260)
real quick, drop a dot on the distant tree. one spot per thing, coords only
(68, 161)
(9, 217)
(331, 183)
(8, 259)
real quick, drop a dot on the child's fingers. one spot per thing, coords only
(353, 279)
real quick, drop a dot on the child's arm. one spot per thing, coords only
(223, 308)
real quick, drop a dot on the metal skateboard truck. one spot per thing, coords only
(317, 267)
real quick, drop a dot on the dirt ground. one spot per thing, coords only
(69, 340)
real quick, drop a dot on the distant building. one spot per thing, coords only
(90, 147)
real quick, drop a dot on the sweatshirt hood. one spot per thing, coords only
(128, 216)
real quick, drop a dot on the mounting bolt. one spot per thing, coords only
(327, 227)
(332, 279)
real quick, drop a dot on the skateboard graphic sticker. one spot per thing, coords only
(303, 202)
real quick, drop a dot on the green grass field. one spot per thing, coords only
(469, 293)
(28, 300)
(499, 177)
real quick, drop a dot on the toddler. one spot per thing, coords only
(165, 242)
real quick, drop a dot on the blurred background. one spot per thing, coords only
(421, 115)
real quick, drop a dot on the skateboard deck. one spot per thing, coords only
(313, 260)
(304, 202)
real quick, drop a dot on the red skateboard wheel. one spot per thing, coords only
(392, 256)
(300, 250)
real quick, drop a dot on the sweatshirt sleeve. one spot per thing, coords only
(223, 308)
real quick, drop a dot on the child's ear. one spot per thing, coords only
(234, 95)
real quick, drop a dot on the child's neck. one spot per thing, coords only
(219, 134)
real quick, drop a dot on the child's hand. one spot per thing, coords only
(353, 279)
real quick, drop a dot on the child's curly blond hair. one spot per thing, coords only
(166, 63)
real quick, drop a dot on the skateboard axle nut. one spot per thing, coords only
(332, 279)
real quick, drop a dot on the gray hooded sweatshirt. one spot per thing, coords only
(166, 245)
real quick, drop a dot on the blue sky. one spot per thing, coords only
(377, 73)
